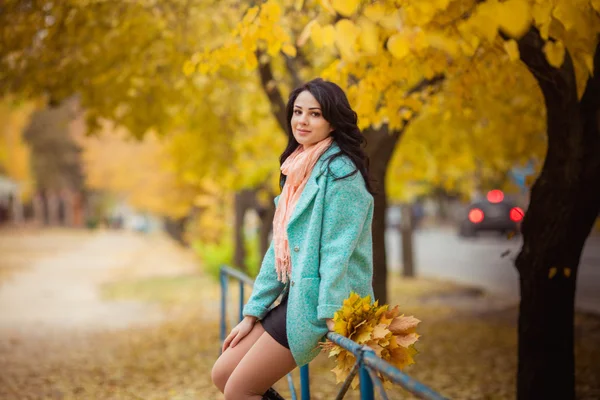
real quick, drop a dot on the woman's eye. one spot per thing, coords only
(316, 114)
(297, 112)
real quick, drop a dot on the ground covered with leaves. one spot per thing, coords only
(467, 349)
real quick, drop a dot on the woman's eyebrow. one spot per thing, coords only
(310, 108)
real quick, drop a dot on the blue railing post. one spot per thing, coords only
(223, 279)
(304, 383)
(366, 384)
(241, 300)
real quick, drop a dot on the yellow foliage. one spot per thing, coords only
(392, 336)
(14, 151)
(514, 17)
(346, 35)
(555, 53)
(345, 7)
(469, 137)
(399, 45)
(512, 49)
(138, 171)
(369, 36)
(289, 49)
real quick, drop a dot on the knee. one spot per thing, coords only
(220, 375)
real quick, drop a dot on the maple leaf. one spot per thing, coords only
(380, 331)
(404, 324)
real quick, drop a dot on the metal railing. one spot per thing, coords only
(367, 363)
(224, 274)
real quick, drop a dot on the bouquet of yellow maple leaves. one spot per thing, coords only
(391, 335)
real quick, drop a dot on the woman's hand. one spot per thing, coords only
(239, 332)
(330, 324)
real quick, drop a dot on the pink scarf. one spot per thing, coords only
(297, 168)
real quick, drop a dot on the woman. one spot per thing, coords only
(321, 249)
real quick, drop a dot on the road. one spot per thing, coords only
(484, 262)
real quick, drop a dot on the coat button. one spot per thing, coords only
(292, 283)
(296, 249)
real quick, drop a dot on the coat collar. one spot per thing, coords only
(312, 186)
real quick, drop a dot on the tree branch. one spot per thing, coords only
(290, 64)
(425, 83)
(272, 91)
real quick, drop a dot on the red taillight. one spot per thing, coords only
(476, 215)
(495, 196)
(516, 214)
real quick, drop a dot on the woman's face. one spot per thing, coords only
(308, 125)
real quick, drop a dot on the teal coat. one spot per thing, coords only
(331, 247)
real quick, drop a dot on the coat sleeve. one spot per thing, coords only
(347, 207)
(266, 286)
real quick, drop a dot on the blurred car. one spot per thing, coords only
(495, 213)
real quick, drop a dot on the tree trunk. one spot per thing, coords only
(565, 201)
(175, 228)
(380, 147)
(239, 252)
(406, 232)
(17, 208)
(244, 199)
(39, 214)
(69, 208)
(266, 215)
(53, 205)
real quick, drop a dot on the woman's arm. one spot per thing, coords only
(266, 287)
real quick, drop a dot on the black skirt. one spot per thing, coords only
(274, 323)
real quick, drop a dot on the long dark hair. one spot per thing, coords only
(337, 111)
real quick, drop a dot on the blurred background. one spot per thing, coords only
(139, 152)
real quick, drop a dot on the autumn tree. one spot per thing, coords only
(393, 58)
(470, 145)
(56, 165)
(558, 42)
(128, 63)
(389, 54)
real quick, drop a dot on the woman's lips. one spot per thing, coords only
(302, 132)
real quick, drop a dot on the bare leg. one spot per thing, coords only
(231, 357)
(264, 364)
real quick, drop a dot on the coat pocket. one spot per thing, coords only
(309, 293)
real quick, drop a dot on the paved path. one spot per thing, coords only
(61, 291)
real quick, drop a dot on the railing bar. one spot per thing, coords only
(385, 368)
(347, 382)
(377, 382)
(395, 375)
(292, 388)
(238, 275)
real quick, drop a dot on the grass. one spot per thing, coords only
(167, 290)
